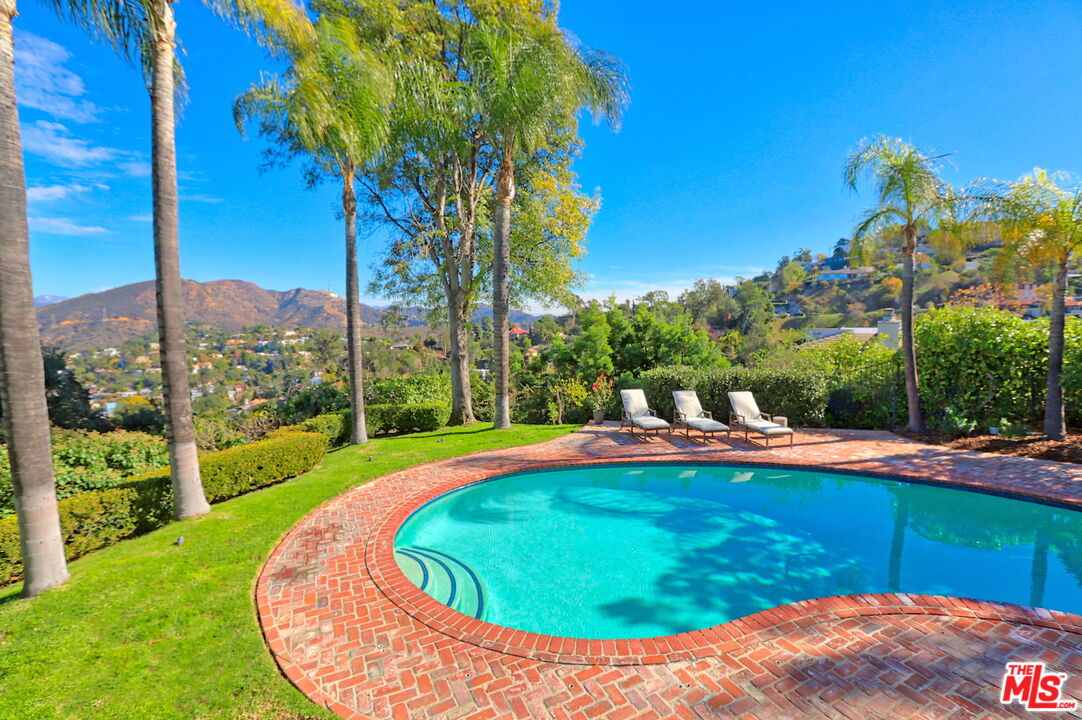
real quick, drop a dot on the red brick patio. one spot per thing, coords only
(352, 633)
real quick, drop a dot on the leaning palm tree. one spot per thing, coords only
(529, 82)
(1041, 225)
(332, 107)
(22, 375)
(147, 34)
(911, 200)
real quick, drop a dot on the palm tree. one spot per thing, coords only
(333, 107)
(22, 374)
(1041, 225)
(530, 82)
(145, 31)
(911, 199)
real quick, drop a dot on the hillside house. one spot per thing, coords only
(888, 331)
(845, 275)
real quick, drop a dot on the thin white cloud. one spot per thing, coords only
(141, 218)
(63, 226)
(43, 83)
(201, 198)
(55, 143)
(135, 168)
(50, 193)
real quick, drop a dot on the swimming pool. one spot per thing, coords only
(626, 551)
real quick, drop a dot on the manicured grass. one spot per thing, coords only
(152, 629)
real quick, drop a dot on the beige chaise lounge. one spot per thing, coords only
(746, 412)
(638, 414)
(690, 414)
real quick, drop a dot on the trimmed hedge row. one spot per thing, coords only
(800, 396)
(334, 426)
(100, 518)
(412, 417)
(379, 419)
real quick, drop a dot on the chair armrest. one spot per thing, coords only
(651, 411)
(708, 414)
(680, 416)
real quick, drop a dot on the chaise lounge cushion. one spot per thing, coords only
(649, 422)
(768, 428)
(704, 424)
(690, 411)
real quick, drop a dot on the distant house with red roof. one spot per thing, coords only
(517, 331)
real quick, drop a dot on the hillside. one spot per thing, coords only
(109, 318)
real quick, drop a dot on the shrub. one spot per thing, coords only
(334, 426)
(318, 400)
(85, 460)
(412, 417)
(217, 432)
(985, 363)
(800, 396)
(408, 389)
(99, 518)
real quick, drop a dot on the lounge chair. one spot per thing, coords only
(690, 414)
(746, 412)
(638, 414)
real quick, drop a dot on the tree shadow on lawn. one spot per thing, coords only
(414, 436)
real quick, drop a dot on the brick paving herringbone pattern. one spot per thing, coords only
(347, 633)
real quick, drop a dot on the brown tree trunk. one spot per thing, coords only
(188, 496)
(897, 541)
(22, 374)
(1055, 425)
(358, 430)
(501, 266)
(909, 350)
(461, 391)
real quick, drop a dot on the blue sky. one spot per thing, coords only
(729, 155)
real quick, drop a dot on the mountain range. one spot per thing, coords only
(110, 317)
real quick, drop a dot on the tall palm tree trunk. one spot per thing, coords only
(22, 374)
(358, 430)
(501, 288)
(909, 350)
(1038, 573)
(897, 542)
(461, 390)
(1055, 424)
(188, 496)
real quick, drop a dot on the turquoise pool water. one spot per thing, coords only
(642, 550)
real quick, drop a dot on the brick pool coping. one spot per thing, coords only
(363, 566)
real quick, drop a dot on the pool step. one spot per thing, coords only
(444, 577)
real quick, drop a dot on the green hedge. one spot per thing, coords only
(984, 363)
(99, 518)
(334, 426)
(800, 396)
(412, 417)
(379, 418)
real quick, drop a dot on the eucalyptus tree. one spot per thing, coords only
(911, 201)
(435, 188)
(22, 375)
(144, 31)
(529, 81)
(333, 107)
(1040, 221)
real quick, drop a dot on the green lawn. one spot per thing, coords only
(148, 629)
